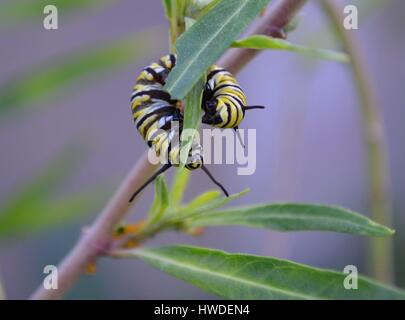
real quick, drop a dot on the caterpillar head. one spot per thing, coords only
(195, 158)
(211, 113)
(210, 107)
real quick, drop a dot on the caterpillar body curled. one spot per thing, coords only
(224, 102)
(154, 113)
(223, 99)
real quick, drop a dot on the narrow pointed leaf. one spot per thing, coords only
(54, 77)
(260, 42)
(215, 203)
(192, 120)
(32, 209)
(242, 276)
(202, 200)
(192, 113)
(167, 4)
(41, 215)
(201, 45)
(294, 217)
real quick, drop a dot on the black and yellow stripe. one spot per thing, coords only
(224, 102)
(154, 111)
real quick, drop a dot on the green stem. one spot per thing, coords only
(381, 250)
(177, 25)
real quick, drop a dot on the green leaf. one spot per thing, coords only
(260, 42)
(13, 12)
(54, 77)
(167, 4)
(161, 201)
(32, 210)
(294, 217)
(202, 200)
(211, 205)
(189, 22)
(192, 114)
(242, 276)
(180, 182)
(41, 215)
(192, 120)
(201, 45)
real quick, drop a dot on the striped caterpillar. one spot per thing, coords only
(153, 113)
(224, 101)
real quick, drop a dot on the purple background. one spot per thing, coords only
(309, 144)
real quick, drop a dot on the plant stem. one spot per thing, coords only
(96, 240)
(381, 249)
(177, 24)
(271, 24)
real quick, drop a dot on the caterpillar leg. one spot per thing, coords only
(160, 171)
(253, 107)
(204, 168)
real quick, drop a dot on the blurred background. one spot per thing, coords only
(67, 139)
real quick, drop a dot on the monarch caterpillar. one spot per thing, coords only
(224, 101)
(153, 113)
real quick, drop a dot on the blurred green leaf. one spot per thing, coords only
(202, 200)
(47, 80)
(180, 182)
(201, 45)
(242, 276)
(260, 42)
(32, 210)
(167, 4)
(19, 11)
(161, 202)
(294, 217)
(210, 205)
(39, 215)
